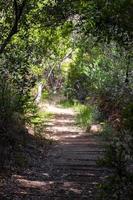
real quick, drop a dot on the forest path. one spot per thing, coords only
(69, 172)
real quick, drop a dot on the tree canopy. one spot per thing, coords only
(81, 49)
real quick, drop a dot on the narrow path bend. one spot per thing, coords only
(70, 171)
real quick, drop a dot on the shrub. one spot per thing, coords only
(118, 185)
(85, 115)
(128, 116)
(14, 98)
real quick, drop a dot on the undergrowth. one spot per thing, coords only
(67, 103)
(118, 185)
(85, 115)
(16, 137)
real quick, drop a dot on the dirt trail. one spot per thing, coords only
(69, 172)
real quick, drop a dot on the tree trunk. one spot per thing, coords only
(39, 93)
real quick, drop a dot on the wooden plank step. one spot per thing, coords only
(80, 168)
(80, 158)
(68, 152)
(81, 147)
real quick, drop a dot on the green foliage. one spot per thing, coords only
(40, 118)
(99, 69)
(128, 116)
(67, 103)
(78, 82)
(118, 185)
(108, 131)
(117, 188)
(45, 95)
(85, 116)
(87, 45)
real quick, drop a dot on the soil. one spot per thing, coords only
(68, 171)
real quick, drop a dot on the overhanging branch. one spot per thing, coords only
(18, 11)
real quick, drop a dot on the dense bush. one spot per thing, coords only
(77, 84)
(16, 82)
(128, 116)
(38, 36)
(119, 155)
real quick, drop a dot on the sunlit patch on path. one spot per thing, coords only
(68, 172)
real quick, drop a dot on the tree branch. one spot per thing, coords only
(18, 10)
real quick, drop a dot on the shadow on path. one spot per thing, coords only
(69, 172)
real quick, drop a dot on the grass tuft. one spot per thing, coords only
(85, 115)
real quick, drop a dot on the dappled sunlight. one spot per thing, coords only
(62, 125)
(66, 99)
(69, 169)
(35, 184)
(47, 187)
(57, 129)
(57, 110)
